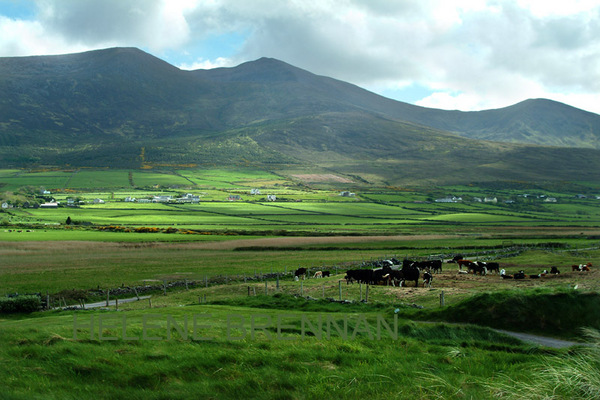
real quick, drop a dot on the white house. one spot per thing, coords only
(271, 197)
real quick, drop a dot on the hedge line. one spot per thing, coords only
(20, 304)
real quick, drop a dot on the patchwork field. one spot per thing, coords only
(227, 319)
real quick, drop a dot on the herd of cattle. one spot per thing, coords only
(395, 273)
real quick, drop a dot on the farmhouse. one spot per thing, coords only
(347, 194)
(161, 199)
(52, 204)
(271, 197)
(188, 198)
(449, 199)
(234, 197)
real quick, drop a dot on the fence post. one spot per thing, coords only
(116, 303)
(150, 302)
(442, 301)
(107, 297)
(47, 301)
(360, 287)
(277, 281)
(165, 287)
(136, 293)
(340, 288)
(186, 286)
(301, 288)
(266, 288)
(205, 281)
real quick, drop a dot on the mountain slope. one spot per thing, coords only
(125, 108)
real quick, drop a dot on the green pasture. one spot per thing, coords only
(262, 353)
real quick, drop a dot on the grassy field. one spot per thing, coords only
(252, 330)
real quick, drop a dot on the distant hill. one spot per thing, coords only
(122, 107)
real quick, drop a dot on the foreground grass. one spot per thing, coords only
(47, 361)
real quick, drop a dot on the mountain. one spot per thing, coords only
(125, 108)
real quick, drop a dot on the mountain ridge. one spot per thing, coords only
(101, 107)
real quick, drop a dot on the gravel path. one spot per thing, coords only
(541, 340)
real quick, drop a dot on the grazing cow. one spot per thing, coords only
(464, 263)
(427, 278)
(554, 270)
(504, 276)
(326, 274)
(434, 265)
(410, 272)
(359, 275)
(456, 258)
(477, 268)
(318, 274)
(535, 276)
(491, 266)
(300, 272)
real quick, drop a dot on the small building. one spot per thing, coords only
(254, 191)
(234, 197)
(51, 204)
(490, 200)
(5, 205)
(347, 194)
(271, 197)
(161, 199)
(449, 199)
(550, 199)
(98, 201)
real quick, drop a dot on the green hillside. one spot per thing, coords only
(124, 108)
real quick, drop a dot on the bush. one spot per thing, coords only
(20, 304)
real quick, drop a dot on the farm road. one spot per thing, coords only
(111, 302)
(541, 340)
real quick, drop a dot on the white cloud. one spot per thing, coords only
(472, 53)
(208, 64)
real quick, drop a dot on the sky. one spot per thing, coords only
(451, 54)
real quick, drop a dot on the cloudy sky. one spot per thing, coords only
(451, 54)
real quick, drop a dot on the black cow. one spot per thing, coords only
(554, 270)
(410, 272)
(491, 266)
(326, 274)
(300, 272)
(360, 275)
(436, 266)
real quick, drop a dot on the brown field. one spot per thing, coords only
(322, 178)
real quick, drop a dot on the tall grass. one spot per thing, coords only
(574, 378)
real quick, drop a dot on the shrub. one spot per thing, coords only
(20, 304)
